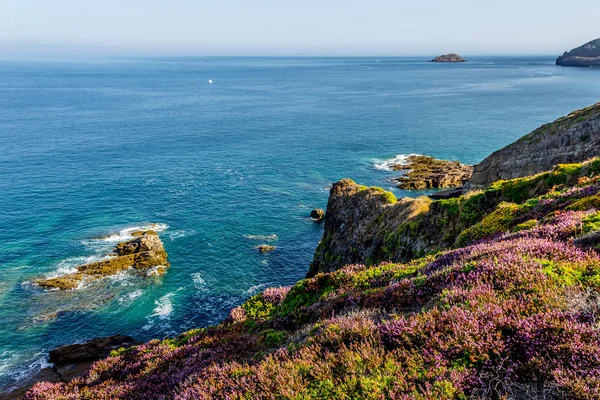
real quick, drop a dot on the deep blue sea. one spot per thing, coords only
(100, 146)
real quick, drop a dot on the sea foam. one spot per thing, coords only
(386, 165)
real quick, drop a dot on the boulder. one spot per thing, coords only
(587, 55)
(424, 172)
(317, 214)
(143, 253)
(452, 58)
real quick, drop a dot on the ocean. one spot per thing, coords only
(92, 149)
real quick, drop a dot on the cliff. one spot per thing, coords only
(569, 139)
(587, 55)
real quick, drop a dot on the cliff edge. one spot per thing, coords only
(569, 139)
(587, 55)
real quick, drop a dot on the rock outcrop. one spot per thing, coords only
(587, 55)
(144, 253)
(356, 221)
(424, 172)
(317, 214)
(452, 58)
(569, 139)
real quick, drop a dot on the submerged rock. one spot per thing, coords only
(424, 172)
(317, 214)
(145, 252)
(587, 55)
(452, 57)
(265, 248)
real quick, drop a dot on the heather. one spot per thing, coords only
(510, 312)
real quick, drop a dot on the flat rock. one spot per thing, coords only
(451, 58)
(587, 55)
(424, 172)
(144, 252)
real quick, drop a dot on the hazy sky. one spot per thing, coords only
(271, 27)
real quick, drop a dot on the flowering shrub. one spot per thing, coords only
(512, 315)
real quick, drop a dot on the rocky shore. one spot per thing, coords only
(424, 172)
(144, 253)
(70, 362)
(587, 55)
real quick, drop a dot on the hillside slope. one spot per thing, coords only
(511, 314)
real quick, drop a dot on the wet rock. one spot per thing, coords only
(265, 248)
(424, 172)
(317, 214)
(452, 57)
(141, 253)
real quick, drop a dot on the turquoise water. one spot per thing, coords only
(94, 147)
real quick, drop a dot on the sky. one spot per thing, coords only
(306, 27)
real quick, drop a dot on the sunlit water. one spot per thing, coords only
(96, 147)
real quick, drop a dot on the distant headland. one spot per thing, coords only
(587, 55)
(452, 57)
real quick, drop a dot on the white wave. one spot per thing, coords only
(154, 271)
(180, 234)
(164, 307)
(12, 365)
(254, 289)
(386, 165)
(123, 278)
(129, 297)
(125, 234)
(199, 281)
(68, 265)
(262, 237)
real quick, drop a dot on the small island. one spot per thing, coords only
(448, 58)
(587, 55)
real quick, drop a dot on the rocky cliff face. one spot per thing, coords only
(569, 139)
(363, 227)
(587, 55)
(356, 220)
